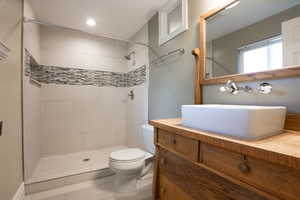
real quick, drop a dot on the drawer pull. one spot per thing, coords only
(162, 190)
(174, 141)
(162, 161)
(244, 168)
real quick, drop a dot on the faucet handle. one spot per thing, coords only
(230, 87)
(265, 88)
(223, 89)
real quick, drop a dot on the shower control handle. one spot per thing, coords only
(131, 94)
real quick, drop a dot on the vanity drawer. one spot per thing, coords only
(166, 139)
(200, 183)
(276, 179)
(187, 147)
(170, 191)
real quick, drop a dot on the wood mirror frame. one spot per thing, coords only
(200, 55)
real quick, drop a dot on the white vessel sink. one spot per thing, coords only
(243, 122)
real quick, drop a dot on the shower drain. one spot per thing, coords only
(86, 160)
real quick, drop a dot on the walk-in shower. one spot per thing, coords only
(80, 112)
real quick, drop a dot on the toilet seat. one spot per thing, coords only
(127, 155)
(130, 160)
(132, 164)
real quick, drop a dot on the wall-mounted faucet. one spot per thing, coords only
(232, 88)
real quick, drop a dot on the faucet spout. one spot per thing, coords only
(232, 88)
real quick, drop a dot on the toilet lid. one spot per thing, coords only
(127, 155)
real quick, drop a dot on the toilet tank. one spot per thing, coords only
(148, 135)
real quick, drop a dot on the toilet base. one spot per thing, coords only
(125, 196)
(126, 183)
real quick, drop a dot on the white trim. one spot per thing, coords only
(20, 194)
(164, 36)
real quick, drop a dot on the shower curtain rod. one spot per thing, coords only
(27, 20)
(171, 53)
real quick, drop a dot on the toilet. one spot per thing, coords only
(132, 163)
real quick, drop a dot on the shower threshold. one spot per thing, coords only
(59, 166)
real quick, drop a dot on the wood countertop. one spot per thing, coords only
(282, 149)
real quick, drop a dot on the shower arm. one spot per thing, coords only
(28, 20)
(148, 46)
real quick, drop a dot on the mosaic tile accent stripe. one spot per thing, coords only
(74, 76)
(136, 77)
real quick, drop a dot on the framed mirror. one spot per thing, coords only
(247, 40)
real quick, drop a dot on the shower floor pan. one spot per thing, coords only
(67, 169)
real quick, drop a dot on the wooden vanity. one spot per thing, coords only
(197, 165)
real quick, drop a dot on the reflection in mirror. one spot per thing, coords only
(253, 36)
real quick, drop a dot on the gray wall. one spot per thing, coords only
(10, 97)
(286, 92)
(172, 83)
(225, 49)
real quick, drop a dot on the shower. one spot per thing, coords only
(106, 81)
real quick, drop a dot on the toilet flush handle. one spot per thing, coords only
(146, 169)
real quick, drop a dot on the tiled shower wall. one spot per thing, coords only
(90, 119)
(137, 109)
(82, 118)
(84, 94)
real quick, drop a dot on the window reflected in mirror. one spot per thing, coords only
(239, 41)
(261, 56)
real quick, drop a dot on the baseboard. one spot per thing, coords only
(20, 194)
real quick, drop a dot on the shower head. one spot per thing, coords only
(128, 57)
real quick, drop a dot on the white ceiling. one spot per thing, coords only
(246, 13)
(119, 18)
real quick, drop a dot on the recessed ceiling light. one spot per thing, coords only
(233, 5)
(91, 22)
